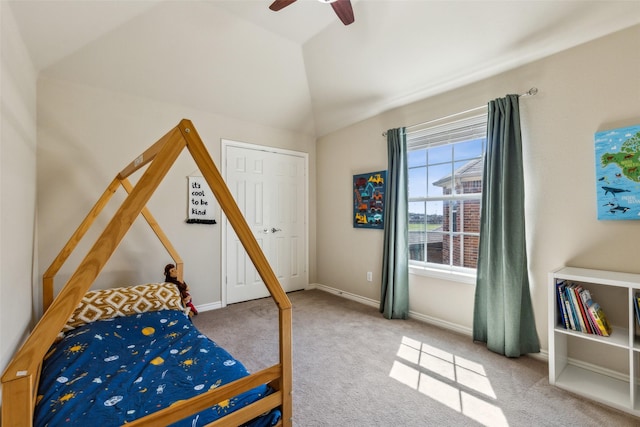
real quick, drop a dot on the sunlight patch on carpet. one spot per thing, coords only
(449, 379)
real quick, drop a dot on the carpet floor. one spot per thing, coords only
(352, 367)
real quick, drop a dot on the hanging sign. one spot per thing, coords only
(201, 200)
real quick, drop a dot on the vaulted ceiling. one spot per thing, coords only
(300, 68)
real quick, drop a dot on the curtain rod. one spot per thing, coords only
(531, 92)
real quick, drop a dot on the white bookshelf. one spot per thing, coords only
(570, 367)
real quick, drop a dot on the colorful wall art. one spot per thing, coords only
(618, 173)
(368, 199)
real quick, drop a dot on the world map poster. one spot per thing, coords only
(618, 173)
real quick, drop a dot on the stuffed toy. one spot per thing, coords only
(171, 276)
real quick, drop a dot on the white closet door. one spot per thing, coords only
(270, 189)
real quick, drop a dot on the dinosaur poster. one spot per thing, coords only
(368, 199)
(618, 173)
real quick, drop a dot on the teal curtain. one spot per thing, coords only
(503, 313)
(394, 296)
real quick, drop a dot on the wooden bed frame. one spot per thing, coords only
(20, 379)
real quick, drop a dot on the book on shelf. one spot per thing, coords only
(577, 311)
(571, 308)
(601, 319)
(636, 305)
(569, 320)
(585, 296)
(594, 323)
(563, 318)
(580, 309)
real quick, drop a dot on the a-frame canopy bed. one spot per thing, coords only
(212, 397)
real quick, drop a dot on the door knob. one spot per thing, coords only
(275, 230)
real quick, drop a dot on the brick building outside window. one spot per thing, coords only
(464, 221)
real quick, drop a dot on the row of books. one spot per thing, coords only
(578, 312)
(636, 304)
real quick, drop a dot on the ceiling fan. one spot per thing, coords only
(342, 8)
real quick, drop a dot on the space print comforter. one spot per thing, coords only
(115, 371)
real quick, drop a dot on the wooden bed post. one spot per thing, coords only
(286, 360)
(17, 401)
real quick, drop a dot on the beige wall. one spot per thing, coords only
(87, 135)
(592, 87)
(18, 188)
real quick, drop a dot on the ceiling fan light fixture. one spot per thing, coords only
(342, 8)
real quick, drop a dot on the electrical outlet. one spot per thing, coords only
(369, 276)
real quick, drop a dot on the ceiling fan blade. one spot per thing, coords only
(280, 4)
(344, 11)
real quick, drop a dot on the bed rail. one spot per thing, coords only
(20, 379)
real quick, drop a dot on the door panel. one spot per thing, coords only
(269, 188)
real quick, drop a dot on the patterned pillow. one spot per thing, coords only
(115, 302)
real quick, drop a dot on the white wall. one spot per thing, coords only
(86, 136)
(592, 87)
(17, 186)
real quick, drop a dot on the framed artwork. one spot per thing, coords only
(368, 199)
(618, 173)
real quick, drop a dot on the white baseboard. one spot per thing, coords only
(441, 323)
(348, 295)
(412, 314)
(454, 327)
(598, 369)
(209, 306)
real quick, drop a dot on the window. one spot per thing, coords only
(445, 165)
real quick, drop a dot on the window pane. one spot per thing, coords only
(473, 185)
(447, 207)
(434, 247)
(471, 244)
(441, 154)
(417, 158)
(417, 182)
(461, 250)
(456, 216)
(468, 176)
(417, 231)
(434, 220)
(417, 216)
(439, 180)
(457, 250)
(471, 215)
(468, 150)
(434, 214)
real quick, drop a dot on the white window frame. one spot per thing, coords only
(447, 133)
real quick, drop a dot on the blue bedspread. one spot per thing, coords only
(114, 371)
